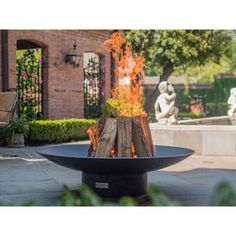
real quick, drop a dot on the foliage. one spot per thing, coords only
(222, 88)
(87, 197)
(120, 107)
(3, 135)
(111, 108)
(49, 131)
(24, 204)
(160, 198)
(217, 109)
(18, 127)
(183, 95)
(181, 115)
(190, 115)
(233, 56)
(217, 96)
(28, 203)
(29, 83)
(94, 88)
(168, 50)
(223, 195)
(206, 73)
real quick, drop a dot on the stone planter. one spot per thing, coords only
(16, 141)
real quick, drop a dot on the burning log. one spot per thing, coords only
(94, 133)
(106, 140)
(141, 137)
(123, 137)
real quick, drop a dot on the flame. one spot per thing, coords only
(92, 133)
(134, 154)
(113, 152)
(127, 90)
(129, 73)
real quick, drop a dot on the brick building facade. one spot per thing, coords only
(62, 84)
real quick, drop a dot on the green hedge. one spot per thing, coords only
(182, 95)
(190, 115)
(181, 115)
(220, 92)
(222, 89)
(217, 109)
(50, 131)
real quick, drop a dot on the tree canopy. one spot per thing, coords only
(168, 50)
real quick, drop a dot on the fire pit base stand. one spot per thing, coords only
(114, 177)
(115, 186)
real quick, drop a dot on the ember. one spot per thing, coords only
(125, 131)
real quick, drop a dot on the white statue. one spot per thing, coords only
(232, 102)
(164, 107)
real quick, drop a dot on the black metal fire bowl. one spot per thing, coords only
(114, 177)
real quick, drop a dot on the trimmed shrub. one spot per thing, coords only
(217, 109)
(222, 89)
(182, 96)
(181, 115)
(55, 131)
(189, 115)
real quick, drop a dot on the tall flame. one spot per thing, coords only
(129, 73)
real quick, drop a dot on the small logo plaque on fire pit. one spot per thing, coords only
(101, 185)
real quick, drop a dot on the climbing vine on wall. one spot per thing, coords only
(29, 83)
(94, 88)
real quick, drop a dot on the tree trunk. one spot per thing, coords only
(167, 71)
(152, 97)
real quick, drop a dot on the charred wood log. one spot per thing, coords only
(107, 138)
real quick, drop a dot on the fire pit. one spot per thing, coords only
(121, 152)
(114, 177)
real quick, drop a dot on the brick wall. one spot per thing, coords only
(63, 84)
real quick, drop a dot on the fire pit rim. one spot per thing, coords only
(43, 152)
(114, 166)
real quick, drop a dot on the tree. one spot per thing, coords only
(168, 50)
(206, 73)
(233, 56)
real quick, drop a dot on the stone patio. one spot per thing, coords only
(24, 176)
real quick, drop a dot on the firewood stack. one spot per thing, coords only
(121, 137)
